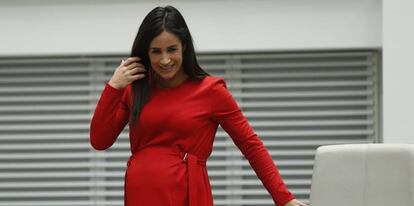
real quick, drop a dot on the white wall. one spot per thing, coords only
(398, 70)
(101, 27)
(96, 27)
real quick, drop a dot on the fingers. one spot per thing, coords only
(135, 73)
(134, 65)
(295, 202)
(137, 76)
(136, 70)
(130, 60)
(130, 70)
(302, 204)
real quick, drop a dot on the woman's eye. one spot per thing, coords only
(155, 52)
(172, 50)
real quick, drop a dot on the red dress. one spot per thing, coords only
(173, 140)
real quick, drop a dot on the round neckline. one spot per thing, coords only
(188, 79)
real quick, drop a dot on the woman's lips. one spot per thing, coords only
(167, 68)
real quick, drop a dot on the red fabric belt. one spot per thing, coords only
(193, 187)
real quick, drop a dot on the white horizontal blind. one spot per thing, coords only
(45, 158)
(295, 102)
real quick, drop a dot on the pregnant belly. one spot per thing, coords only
(157, 174)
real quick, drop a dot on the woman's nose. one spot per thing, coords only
(165, 60)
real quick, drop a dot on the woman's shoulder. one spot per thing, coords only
(210, 86)
(213, 81)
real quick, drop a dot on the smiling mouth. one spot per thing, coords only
(167, 68)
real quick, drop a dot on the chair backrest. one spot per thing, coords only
(363, 175)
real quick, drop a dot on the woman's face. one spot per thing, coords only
(165, 53)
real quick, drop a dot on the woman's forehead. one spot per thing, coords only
(164, 40)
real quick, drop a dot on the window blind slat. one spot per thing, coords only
(295, 101)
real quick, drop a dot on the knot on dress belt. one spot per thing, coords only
(199, 161)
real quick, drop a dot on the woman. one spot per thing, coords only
(173, 108)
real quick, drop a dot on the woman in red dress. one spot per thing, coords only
(173, 108)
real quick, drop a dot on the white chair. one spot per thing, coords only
(363, 175)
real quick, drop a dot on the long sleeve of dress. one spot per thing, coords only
(228, 114)
(110, 117)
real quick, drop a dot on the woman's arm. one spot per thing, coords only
(112, 111)
(110, 117)
(228, 114)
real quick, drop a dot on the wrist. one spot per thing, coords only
(115, 85)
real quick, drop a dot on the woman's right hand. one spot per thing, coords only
(128, 71)
(294, 202)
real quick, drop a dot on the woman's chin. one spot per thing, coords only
(166, 77)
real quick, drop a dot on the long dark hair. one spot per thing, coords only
(158, 20)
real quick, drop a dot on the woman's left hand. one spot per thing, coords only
(294, 202)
